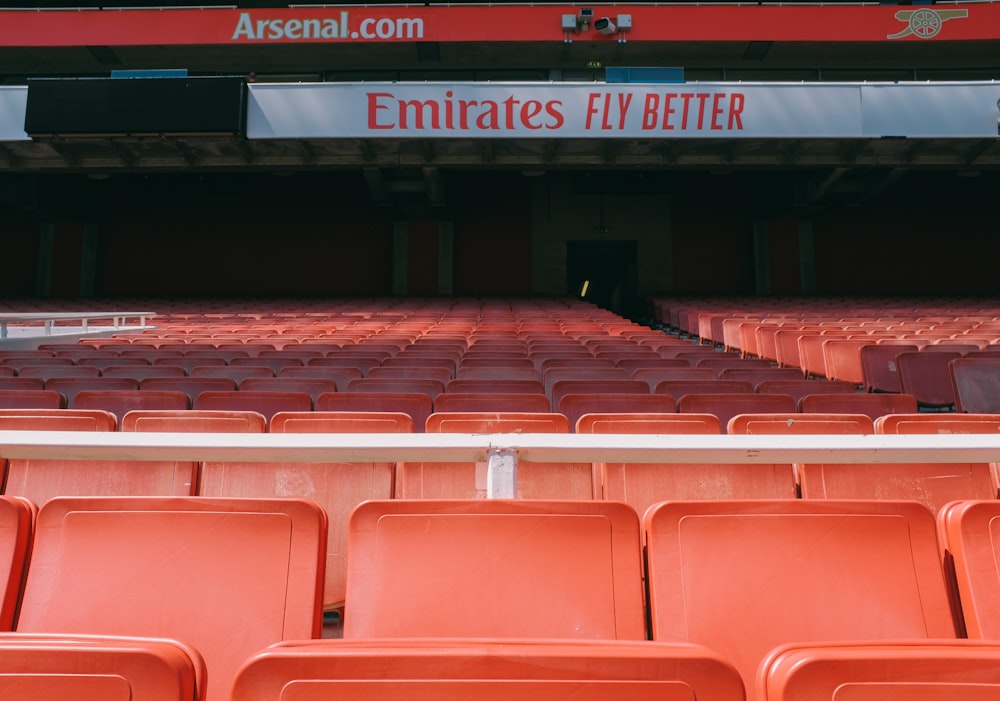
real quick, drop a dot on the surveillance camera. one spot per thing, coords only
(605, 26)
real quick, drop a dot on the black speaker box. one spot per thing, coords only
(123, 106)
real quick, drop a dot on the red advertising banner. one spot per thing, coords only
(507, 23)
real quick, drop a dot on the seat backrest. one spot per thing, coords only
(431, 388)
(263, 402)
(931, 671)
(417, 404)
(337, 487)
(933, 484)
(450, 670)
(872, 404)
(69, 387)
(927, 377)
(612, 386)
(493, 402)
(801, 387)
(33, 399)
(726, 406)
(42, 479)
(100, 668)
(191, 386)
(494, 569)
(468, 480)
(225, 576)
(120, 402)
(16, 525)
(743, 577)
(644, 484)
(573, 406)
(493, 386)
(976, 382)
(878, 366)
(313, 386)
(972, 549)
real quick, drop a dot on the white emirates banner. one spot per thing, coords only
(626, 110)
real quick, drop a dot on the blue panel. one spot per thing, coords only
(644, 75)
(158, 73)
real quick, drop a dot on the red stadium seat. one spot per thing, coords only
(927, 377)
(35, 399)
(313, 386)
(16, 525)
(266, 403)
(179, 568)
(337, 487)
(98, 668)
(539, 569)
(191, 386)
(120, 402)
(874, 405)
(644, 484)
(727, 405)
(491, 402)
(976, 383)
(968, 534)
(574, 406)
(744, 577)
(457, 670)
(959, 670)
(878, 366)
(417, 404)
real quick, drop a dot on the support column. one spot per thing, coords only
(807, 258)
(43, 274)
(88, 260)
(761, 258)
(446, 257)
(400, 257)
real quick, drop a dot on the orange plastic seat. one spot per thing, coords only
(69, 387)
(226, 576)
(237, 373)
(95, 668)
(263, 402)
(493, 402)
(191, 386)
(878, 366)
(574, 406)
(36, 399)
(959, 670)
(744, 577)
(872, 404)
(972, 548)
(976, 382)
(927, 376)
(458, 670)
(644, 484)
(120, 402)
(461, 480)
(417, 404)
(933, 484)
(16, 525)
(42, 479)
(485, 386)
(313, 386)
(494, 569)
(726, 405)
(337, 487)
(594, 386)
(431, 388)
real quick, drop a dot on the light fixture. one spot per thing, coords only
(585, 288)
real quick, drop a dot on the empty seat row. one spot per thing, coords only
(449, 599)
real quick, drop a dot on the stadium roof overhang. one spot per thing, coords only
(203, 153)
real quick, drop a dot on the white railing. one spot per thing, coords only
(500, 451)
(48, 320)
